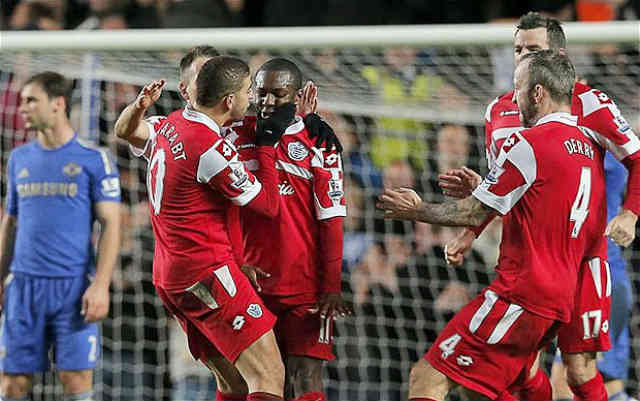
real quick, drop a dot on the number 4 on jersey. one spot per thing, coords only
(580, 208)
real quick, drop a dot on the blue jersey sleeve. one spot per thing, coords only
(105, 180)
(12, 193)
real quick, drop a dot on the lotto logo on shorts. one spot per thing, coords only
(254, 310)
(464, 360)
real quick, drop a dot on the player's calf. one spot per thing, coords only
(15, 387)
(261, 366)
(303, 377)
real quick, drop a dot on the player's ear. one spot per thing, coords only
(228, 101)
(182, 87)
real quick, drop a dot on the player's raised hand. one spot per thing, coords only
(95, 302)
(459, 182)
(622, 228)
(455, 249)
(309, 100)
(254, 273)
(149, 94)
(400, 203)
(331, 304)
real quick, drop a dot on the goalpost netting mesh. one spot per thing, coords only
(403, 114)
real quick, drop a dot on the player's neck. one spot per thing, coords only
(56, 136)
(553, 107)
(218, 116)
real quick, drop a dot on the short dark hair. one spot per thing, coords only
(554, 71)
(54, 85)
(282, 64)
(555, 33)
(194, 53)
(219, 77)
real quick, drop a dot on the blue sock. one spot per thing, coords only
(619, 396)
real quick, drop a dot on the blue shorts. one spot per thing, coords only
(615, 362)
(40, 313)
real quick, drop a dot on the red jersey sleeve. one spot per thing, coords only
(328, 190)
(513, 173)
(601, 115)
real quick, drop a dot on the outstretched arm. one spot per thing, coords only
(128, 126)
(405, 204)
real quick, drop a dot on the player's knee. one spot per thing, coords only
(15, 387)
(76, 381)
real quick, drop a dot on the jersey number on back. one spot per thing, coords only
(580, 208)
(156, 177)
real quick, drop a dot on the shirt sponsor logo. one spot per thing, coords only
(285, 188)
(71, 170)
(255, 311)
(297, 151)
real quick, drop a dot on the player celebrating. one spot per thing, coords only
(193, 177)
(301, 282)
(58, 186)
(541, 183)
(596, 111)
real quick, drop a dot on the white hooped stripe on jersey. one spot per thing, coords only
(487, 113)
(490, 299)
(508, 319)
(294, 169)
(192, 115)
(594, 267)
(211, 163)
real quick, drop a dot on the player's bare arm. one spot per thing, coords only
(7, 240)
(95, 301)
(405, 204)
(128, 126)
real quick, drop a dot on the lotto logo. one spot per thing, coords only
(464, 360)
(238, 322)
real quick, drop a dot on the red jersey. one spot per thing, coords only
(310, 183)
(193, 177)
(594, 109)
(548, 182)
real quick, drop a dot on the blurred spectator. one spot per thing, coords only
(355, 158)
(204, 13)
(37, 16)
(143, 14)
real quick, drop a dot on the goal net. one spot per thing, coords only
(406, 102)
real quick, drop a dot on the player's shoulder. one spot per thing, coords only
(24, 149)
(195, 127)
(590, 100)
(98, 156)
(501, 106)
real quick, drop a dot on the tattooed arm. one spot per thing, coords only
(405, 204)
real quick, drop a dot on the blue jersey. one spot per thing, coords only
(52, 193)
(616, 182)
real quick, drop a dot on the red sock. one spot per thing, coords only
(314, 396)
(538, 388)
(220, 396)
(593, 390)
(264, 397)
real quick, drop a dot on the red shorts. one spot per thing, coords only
(488, 345)
(221, 314)
(588, 330)
(298, 331)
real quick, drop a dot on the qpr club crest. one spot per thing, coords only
(254, 310)
(297, 151)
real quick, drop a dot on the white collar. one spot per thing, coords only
(193, 115)
(560, 117)
(296, 127)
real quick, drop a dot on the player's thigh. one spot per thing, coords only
(490, 344)
(225, 308)
(78, 344)
(261, 365)
(15, 386)
(300, 332)
(588, 329)
(24, 341)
